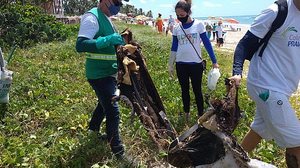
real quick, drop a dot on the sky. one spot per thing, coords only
(204, 8)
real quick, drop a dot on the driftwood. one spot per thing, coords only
(211, 139)
(208, 144)
(137, 86)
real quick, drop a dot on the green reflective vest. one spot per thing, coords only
(104, 62)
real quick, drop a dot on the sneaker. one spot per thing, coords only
(92, 132)
(126, 160)
(120, 156)
(101, 137)
(187, 117)
(118, 151)
(180, 115)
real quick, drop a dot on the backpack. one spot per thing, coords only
(277, 23)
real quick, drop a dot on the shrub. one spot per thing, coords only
(28, 25)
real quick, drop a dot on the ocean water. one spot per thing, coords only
(245, 19)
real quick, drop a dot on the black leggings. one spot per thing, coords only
(193, 72)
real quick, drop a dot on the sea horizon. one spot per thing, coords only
(243, 19)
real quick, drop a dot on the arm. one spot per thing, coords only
(209, 49)
(88, 29)
(174, 43)
(242, 51)
(84, 44)
(172, 57)
(251, 39)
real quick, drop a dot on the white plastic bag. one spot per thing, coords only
(212, 78)
(5, 83)
(5, 80)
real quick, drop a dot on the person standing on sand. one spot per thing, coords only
(214, 31)
(171, 23)
(219, 33)
(208, 30)
(272, 79)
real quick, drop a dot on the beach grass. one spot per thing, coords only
(45, 123)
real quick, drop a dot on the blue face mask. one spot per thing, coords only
(113, 9)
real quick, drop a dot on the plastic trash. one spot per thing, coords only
(5, 83)
(213, 77)
(5, 80)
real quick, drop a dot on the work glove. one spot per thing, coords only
(113, 39)
(171, 64)
(116, 39)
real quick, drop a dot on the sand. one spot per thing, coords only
(231, 40)
(233, 36)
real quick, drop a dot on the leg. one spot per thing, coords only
(196, 80)
(160, 29)
(218, 43)
(258, 126)
(97, 118)
(221, 42)
(250, 141)
(183, 78)
(286, 129)
(171, 29)
(281, 124)
(292, 157)
(98, 114)
(106, 90)
(208, 35)
(167, 31)
(111, 110)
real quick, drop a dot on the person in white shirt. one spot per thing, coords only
(219, 33)
(171, 23)
(97, 38)
(272, 78)
(186, 52)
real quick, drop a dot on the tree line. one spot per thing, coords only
(75, 7)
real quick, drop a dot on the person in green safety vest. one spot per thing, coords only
(98, 37)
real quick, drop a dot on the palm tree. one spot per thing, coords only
(149, 14)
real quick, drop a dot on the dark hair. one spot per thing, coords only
(117, 3)
(159, 15)
(185, 5)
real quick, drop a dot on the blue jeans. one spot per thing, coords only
(105, 89)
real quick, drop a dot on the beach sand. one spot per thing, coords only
(232, 37)
(230, 42)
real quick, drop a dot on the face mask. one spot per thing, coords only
(183, 19)
(113, 9)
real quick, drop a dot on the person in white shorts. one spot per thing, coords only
(219, 33)
(171, 23)
(271, 81)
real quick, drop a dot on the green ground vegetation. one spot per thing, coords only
(45, 122)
